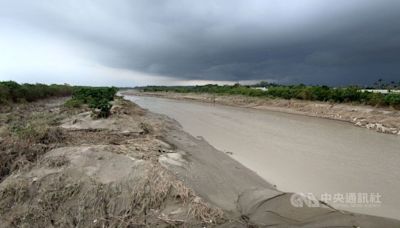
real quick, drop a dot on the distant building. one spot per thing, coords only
(383, 91)
(261, 88)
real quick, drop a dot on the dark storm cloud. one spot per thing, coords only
(303, 41)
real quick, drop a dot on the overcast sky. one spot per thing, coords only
(141, 42)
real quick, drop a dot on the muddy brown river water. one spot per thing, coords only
(301, 154)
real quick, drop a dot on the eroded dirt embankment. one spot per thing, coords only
(384, 120)
(61, 168)
(135, 169)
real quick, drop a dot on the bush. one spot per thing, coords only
(4, 94)
(98, 99)
(393, 100)
(376, 99)
(101, 108)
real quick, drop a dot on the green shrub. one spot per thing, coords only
(4, 94)
(376, 99)
(73, 103)
(393, 100)
(98, 99)
(101, 108)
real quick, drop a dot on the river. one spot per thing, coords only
(299, 153)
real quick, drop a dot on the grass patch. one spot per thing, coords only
(27, 137)
(73, 103)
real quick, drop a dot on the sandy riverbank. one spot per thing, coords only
(136, 168)
(384, 120)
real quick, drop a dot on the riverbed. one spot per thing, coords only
(299, 153)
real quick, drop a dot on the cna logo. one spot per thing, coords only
(342, 200)
(304, 199)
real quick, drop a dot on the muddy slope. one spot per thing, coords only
(227, 184)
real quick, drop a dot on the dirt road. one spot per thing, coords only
(298, 153)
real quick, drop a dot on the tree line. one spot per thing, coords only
(12, 92)
(302, 92)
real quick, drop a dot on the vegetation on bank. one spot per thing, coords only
(301, 92)
(98, 99)
(12, 92)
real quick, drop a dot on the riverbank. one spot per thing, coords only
(61, 167)
(384, 120)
